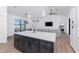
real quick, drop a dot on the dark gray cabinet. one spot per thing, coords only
(32, 45)
(19, 42)
(46, 47)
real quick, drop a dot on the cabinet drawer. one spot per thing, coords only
(46, 46)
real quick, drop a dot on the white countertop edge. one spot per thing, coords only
(39, 35)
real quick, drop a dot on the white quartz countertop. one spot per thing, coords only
(39, 35)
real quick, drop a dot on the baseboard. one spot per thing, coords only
(1, 42)
(73, 49)
(9, 36)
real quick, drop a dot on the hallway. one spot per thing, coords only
(62, 44)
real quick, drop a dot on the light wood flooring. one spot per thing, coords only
(8, 47)
(61, 45)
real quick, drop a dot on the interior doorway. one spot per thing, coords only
(69, 25)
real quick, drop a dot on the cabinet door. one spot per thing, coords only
(31, 45)
(18, 42)
(46, 47)
(35, 45)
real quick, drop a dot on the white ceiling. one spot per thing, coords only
(37, 11)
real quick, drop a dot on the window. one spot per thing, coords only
(17, 25)
(20, 25)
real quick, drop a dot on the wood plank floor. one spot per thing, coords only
(8, 47)
(61, 45)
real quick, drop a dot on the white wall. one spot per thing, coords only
(11, 23)
(3, 24)
(57, 21)
(78, 21)
(74, 41)
(67, 24)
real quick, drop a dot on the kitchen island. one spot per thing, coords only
(34, 42)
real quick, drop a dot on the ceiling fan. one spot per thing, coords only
(52, 13)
